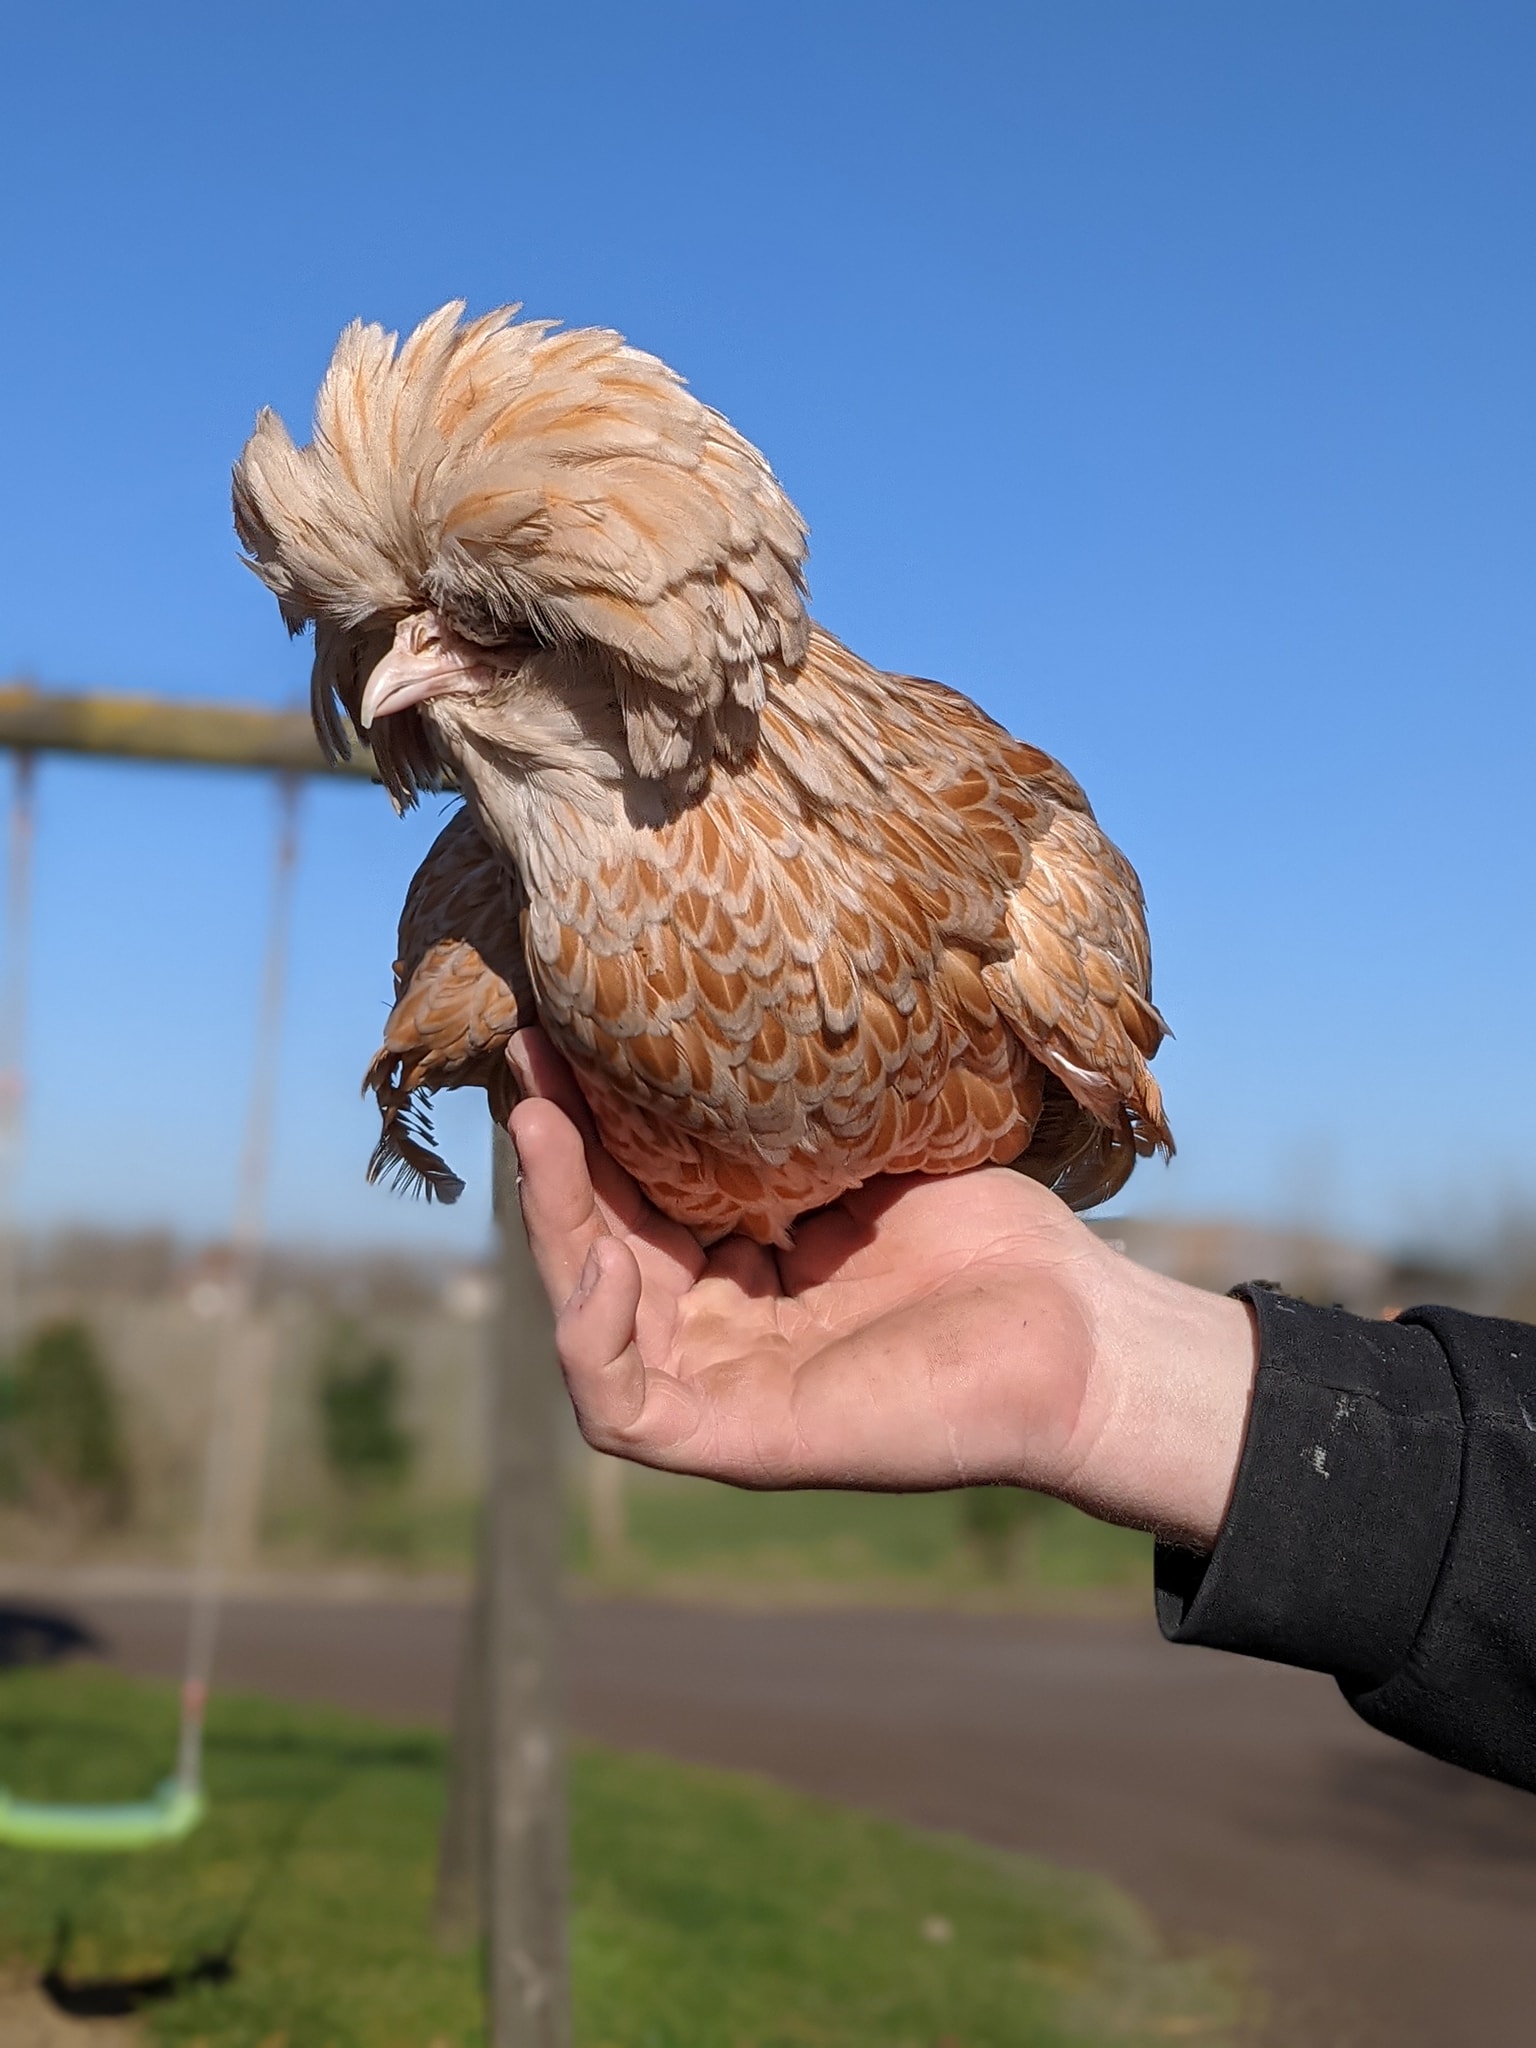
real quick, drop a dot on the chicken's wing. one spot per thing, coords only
(461, 990)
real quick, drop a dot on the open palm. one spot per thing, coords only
(920, 1333)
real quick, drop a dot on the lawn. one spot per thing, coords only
(711, 1910)
(991, 1544)
(692, 1537)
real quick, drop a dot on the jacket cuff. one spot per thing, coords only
(1345, 1496)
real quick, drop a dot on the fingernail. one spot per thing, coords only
(519, 1062)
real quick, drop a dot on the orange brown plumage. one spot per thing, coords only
(793, 921)
(461, 990)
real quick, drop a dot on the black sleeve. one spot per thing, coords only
(1383, 1526)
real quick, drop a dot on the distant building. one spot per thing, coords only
(1308, 1264)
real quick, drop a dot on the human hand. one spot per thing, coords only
(921, 1333)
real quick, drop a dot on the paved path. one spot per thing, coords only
(1390, 1901)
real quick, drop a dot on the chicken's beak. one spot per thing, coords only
(425, 661)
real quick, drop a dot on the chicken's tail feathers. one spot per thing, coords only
(406, 1158)
(1087, 1158)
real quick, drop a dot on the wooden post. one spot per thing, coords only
(13, 1032)
(459, 1908)
(607, 1522)
(525, 1864)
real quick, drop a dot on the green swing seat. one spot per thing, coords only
(172, 1812)
(169, 1815)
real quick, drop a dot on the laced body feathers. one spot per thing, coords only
(794, 921)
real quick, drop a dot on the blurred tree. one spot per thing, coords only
(61, 1436)
(12, 1482)
(367, 1445)
(997, 1524)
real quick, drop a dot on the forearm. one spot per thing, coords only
(1166, 1402)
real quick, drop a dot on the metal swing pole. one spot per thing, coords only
(237, 1372)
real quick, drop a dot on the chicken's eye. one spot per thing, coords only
(369, 645)
(513, 639)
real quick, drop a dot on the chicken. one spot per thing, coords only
(793, 921)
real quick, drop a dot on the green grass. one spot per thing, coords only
(388, 1529)
(684, 1531)
(712, 1911)
(691, 1535)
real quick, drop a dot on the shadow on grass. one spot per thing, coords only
(120, 1997)
(30, 1636)
(331, 1753)
(100, 1998)
(334, 1752)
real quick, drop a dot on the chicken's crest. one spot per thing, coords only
(517, 480)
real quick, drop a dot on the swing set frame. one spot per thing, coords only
(515, 1848)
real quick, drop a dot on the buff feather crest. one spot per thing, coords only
(519, 479)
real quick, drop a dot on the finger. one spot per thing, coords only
(823, 1243)
(852, 1238)
(560, 1210)
(595, 1342)
(595, 1339)
(744, 1266)
(544, 1075)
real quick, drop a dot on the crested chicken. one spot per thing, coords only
(793, 921)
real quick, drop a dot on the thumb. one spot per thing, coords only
(595, 1342)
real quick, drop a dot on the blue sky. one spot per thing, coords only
(1158, 371)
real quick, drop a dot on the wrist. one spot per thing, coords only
(1165, 1407)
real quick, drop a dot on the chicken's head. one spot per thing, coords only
(492, 489)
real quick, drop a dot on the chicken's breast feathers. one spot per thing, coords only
(886, 945)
